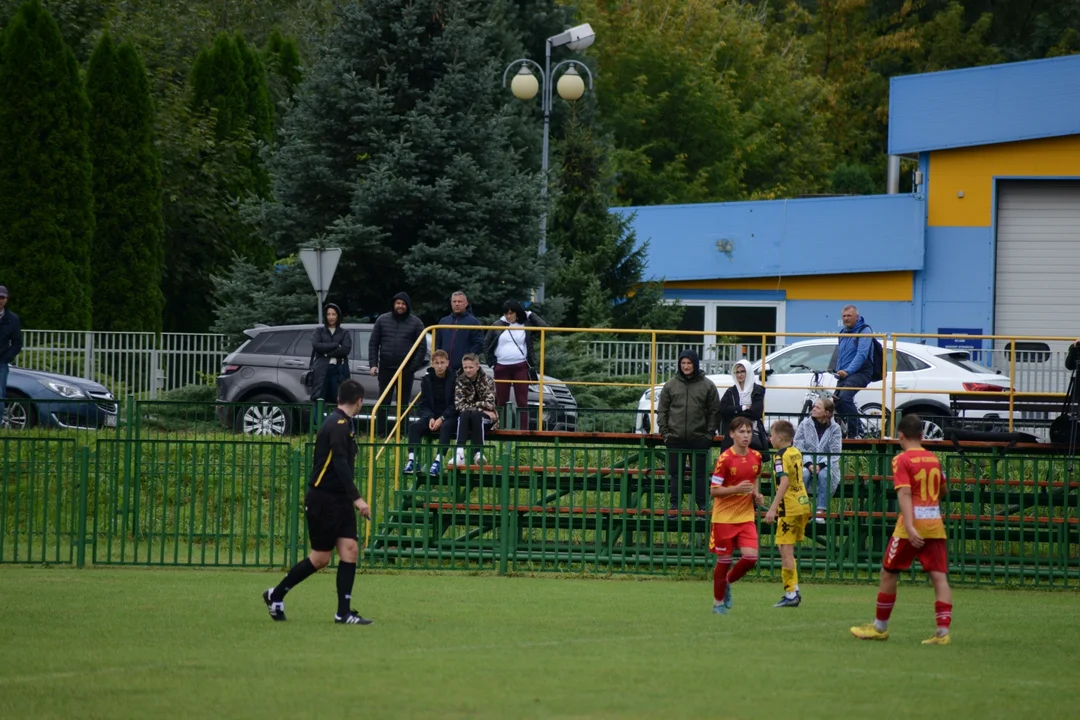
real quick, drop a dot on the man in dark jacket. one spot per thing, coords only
(687, 413)
(391, 339)
(457, 343)
(10, 344)
(854, 366)
(330, 348)
(437, 413)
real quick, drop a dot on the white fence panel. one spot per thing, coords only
(145, 364)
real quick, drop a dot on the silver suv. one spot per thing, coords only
(263, 377)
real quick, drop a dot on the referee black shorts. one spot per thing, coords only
(330, 517)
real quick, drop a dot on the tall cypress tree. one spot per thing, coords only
(46, 202)
(129, 250)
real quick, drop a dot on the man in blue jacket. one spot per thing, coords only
(853, 366)
(459, 343)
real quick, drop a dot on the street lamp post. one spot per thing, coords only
(571, 86)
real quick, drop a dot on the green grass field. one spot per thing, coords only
(138, 643)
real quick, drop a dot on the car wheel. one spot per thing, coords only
(934, 422)
(18, 414)
(264, 415)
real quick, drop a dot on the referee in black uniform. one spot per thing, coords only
(330, 506)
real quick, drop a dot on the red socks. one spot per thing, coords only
(884, 606)
(943, 614)
(746, 562)
(719, 578)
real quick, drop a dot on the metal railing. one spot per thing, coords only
(142, 498)
(145, 364)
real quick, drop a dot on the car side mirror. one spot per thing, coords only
(768, 370)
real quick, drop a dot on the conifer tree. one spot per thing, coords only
(46, 201)
(129, 251)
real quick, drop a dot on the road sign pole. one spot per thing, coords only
(320, 264)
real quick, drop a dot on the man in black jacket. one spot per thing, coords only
(10, 344)
(437, 413)
(458, 343)
(391, 339)
(330, 506)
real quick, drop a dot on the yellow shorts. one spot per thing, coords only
(791, 529)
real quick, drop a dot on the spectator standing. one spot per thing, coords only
(458, 343)
(437, 412)
(10, 345)
(1070, 364)
(687, 415)
(746, 398)
(392, 337)
(819, 439)
(854, 366)
(510, 351)
(330, 349)
(474, 400)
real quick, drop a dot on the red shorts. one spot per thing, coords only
(728, 536)
(933, 555)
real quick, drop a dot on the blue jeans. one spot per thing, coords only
(3, 388)
(827, 482)
(845, 400)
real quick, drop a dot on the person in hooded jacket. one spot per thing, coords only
(687, 413)
(391, 339)
(330, 348)
(747, 399)
(437, 413)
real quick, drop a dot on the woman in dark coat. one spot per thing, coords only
(330, 348)
(745, 398)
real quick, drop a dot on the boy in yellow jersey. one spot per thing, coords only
(919, 533)
(790, 507)
(735, 493)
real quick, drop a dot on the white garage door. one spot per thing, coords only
(1037, 284)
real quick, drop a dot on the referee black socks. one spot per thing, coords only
(300, 572)
(346, 574)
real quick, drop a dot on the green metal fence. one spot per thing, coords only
(177, 485)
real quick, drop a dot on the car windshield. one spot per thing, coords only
(962, 359)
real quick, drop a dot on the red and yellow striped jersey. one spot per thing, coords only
(920, 471)
(731, 469)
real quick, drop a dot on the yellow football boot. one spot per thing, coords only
(869, 632)
(939, 640)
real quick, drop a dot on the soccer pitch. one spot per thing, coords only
(141, 643)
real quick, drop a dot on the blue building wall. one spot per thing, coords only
(984, 105)
(782, 237)
(817, 316)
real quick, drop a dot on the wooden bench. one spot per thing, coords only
(1048, 406)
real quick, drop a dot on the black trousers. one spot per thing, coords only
(692, 453)
(418, 430)
(471, 427)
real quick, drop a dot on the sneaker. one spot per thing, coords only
(869, 632)
(727, 597)
(276, 609)
(479, 459)
(459, 460)
(785, 601)
(410, 468)
(436, 469)
(353, 618)
(673, 512)
(819, 518)
(719, 608)
(945, 639)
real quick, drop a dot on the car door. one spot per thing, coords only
(792, 368)
(907, 378)
(294, 362)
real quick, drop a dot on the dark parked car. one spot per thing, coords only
(50, 400)
(263, 377)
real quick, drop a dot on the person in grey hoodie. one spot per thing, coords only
(820, 441)
(392, 337)
(687, 414)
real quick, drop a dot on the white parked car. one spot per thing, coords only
(919, 368)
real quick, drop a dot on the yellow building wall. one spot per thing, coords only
(848, 287)
(971, 171)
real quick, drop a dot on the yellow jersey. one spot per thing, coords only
(795, 502)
